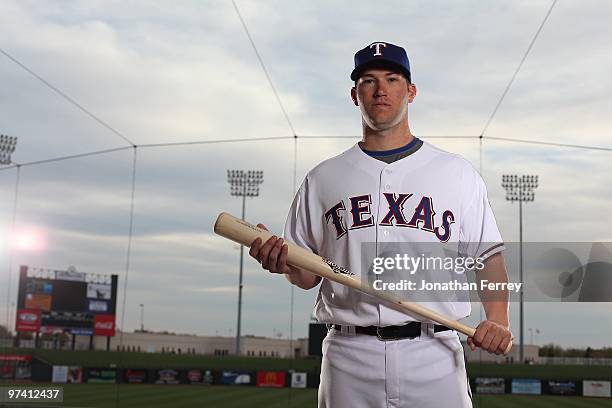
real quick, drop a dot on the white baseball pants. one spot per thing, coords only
(361, 371)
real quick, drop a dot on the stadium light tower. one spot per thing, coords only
(7, 147)
(142, 317)
(243, 184)
(531, 332)
(520, 188)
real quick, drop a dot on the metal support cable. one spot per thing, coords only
(263, 67)
(152, 145)
(73, 156)
(66, 97)
(575, 146)
(201, 142)
(360, 136)
(480, 156)
(128, 256)
(292, 303)
(518, 68)
(11, 252)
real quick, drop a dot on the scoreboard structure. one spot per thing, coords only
(53, 301)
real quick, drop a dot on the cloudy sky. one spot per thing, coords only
(151, 73)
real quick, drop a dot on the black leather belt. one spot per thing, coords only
(410, 330)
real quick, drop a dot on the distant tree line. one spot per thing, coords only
(553, 350)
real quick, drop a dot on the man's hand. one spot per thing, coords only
(272, 255)
(491, 336)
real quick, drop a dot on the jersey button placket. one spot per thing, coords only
(386, 180)
(387, 185)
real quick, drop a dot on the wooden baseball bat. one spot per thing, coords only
(244, 233)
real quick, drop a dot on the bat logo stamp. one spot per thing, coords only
(337, 268)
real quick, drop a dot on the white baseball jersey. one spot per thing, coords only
(431, 196)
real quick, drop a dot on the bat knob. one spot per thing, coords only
(507, 350)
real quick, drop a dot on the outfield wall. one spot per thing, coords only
(26, 368)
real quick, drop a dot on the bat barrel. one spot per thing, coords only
(238, 230)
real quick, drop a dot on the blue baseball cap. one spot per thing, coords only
(382, 53)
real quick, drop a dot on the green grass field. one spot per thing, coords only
(187, 396)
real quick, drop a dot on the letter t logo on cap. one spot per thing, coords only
(377, 45)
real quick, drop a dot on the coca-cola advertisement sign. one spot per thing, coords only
(104, 325)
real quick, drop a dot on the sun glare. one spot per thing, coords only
(28, 239)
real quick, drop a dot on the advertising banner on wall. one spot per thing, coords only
(197, 376)
(19, 358)
(596, 389)
(7, 371)
(28, 320)
(101, 376)
(298, 380)
(273, 379)
(166, 376)
(560, 387)
(104, 325)
(490, 385)
(237, 378)
(15, 366)
(526, 386)
(75, 375)
(59, 374)
(135, 376)
(23, 372)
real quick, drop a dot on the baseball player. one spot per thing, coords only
(391, 187)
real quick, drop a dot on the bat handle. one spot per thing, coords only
(470, 331)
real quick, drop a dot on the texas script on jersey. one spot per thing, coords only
(360, 215)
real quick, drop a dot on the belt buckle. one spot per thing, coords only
(384, 337)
